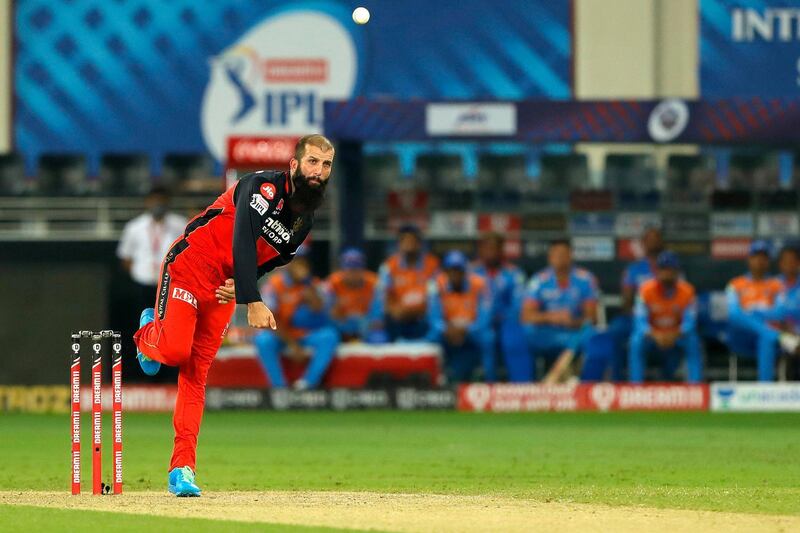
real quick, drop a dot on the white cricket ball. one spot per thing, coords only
(361, 15)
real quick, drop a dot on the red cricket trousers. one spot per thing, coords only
(187, 332)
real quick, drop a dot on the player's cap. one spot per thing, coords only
(409, 228)
(760, 246)
(455, 259)
(668, 259)
(352, 258)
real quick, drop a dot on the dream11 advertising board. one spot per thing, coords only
(515, 397)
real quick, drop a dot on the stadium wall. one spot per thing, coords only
(634, 49)
(6, 94)
(49, 289)
(614, 49)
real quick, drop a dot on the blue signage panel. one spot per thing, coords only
(750, 48)
(155, 76)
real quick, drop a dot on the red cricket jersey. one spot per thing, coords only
(249, 230)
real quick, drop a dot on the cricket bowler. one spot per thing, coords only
(253, 228)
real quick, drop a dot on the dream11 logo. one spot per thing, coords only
(274, 79)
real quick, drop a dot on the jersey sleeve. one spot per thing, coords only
(246, 231)
(778, 312)
(532, 296)
(483, 319)
(591, 290)
(435, 314)
(628, 278)
(732, 300)
(689, 319)
(641, 315)
(378, 305)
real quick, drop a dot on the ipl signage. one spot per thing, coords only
(750, 48)
(96, 77)
(274, 79)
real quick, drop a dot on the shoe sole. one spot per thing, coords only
(147, 372)
(174, 491)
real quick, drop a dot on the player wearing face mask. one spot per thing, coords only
(146, 240)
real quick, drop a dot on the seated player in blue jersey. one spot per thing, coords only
(665, 323)
(506, 283)
(351, 290)
(459, 317)
(750, 300)
(786, 313)
(398, 309)
(636, 273)
(559, 311)
(306, 334)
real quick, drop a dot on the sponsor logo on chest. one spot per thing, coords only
(666, 308)
(268, 190)
(276, 231)
(558, 294)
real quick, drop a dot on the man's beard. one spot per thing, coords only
(306, 196)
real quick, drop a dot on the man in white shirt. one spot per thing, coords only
(146, 240)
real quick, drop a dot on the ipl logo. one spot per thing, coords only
(274, 80)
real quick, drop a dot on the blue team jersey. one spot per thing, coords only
(504, 284)
(637, 273)
(548, 295)
(787, 306)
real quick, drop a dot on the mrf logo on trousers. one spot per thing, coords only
(186, 296)
(274, 79)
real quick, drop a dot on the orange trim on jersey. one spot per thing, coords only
(409, 287)
(756, 294)
(665, 311)
(288, 298)
(461, 307)
(349, 300)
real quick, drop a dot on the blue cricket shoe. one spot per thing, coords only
(149, 366)
(181, 482)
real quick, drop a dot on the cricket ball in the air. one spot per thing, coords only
(361, 15)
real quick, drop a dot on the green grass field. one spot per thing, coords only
(730, 462)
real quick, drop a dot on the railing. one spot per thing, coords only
(96, 219)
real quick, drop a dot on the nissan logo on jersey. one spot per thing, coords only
(275, 231)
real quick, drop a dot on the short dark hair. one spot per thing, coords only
(791, 248)
(495, 236)
(315, 139)
(560, 242)
(652, 228)
(411, 229)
